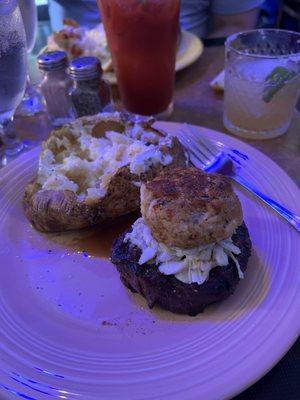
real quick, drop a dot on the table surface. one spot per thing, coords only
(196, 103)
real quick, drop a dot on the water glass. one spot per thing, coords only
(13, 70)
(32, 102)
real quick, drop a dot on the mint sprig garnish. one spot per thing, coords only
(275, 81)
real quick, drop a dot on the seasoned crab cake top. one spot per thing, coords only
(187, 207)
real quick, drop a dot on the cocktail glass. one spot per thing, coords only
(142, 37)
(262, 82)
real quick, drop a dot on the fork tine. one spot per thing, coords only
(198, 145)
(196, 163)
(205, 158)
(218, 148)
(207, 147)
(208, 144)
(194, 158)
(191, 146)
(207, 152)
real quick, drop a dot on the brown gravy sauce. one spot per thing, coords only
(96, 242)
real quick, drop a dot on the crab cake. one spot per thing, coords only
(188, 208)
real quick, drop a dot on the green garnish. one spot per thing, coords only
(276, 81)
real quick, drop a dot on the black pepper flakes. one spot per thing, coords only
(90, 94)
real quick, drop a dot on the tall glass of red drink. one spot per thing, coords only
(142, 36)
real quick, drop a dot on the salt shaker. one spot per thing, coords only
(55, 86)
(91, 93)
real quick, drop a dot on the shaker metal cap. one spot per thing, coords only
(83, 68)
(53, 60)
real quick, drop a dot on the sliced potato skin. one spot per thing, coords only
(60, 210)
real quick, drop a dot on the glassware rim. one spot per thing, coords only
(233, 36)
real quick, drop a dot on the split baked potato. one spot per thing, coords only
(90, 171)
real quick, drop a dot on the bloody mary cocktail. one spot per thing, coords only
(142, 36)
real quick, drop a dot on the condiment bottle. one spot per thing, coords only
(91, 93)
(55, 86)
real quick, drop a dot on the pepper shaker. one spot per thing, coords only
(91, 93)
(55, 86)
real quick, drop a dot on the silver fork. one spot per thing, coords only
(206, 156)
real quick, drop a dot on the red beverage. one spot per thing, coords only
(142, 36)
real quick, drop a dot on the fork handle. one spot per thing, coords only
(293, 219)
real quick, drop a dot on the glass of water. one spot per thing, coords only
(13, 70)
(262, 82)
(31, 103)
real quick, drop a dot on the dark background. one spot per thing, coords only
(281, 383)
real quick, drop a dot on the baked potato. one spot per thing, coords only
(90, 171)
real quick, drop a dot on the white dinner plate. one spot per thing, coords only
(70, 330)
